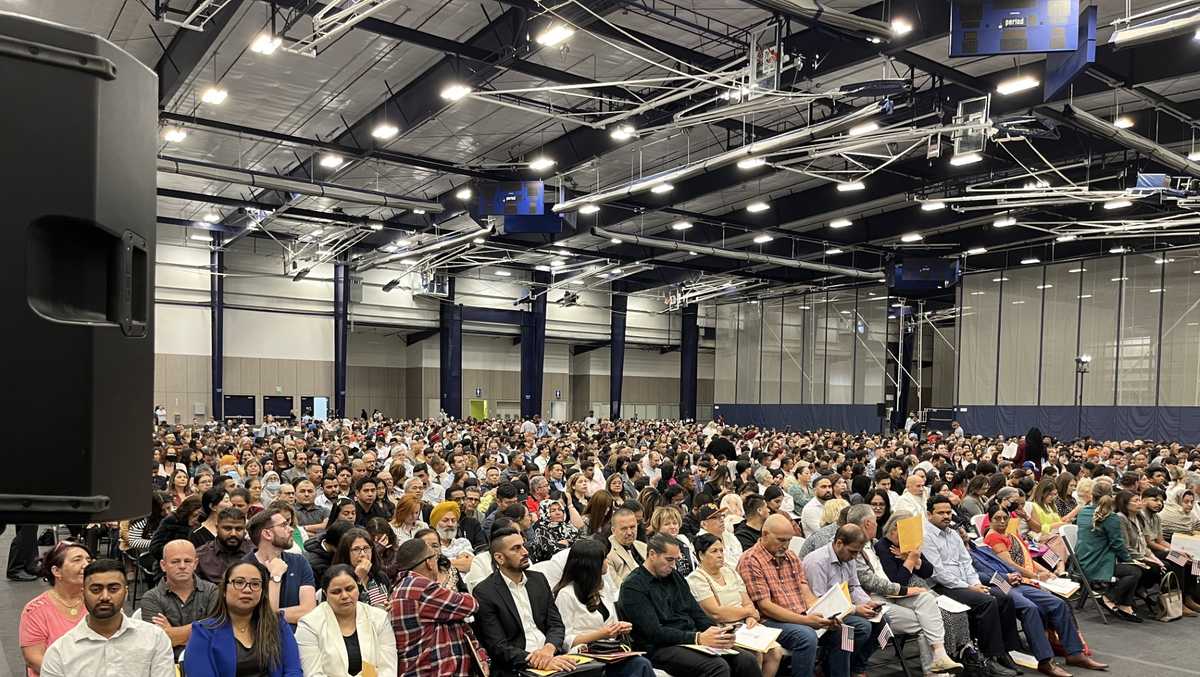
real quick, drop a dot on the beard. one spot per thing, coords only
(447, 533)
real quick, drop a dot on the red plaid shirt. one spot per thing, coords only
(433, 638)
(778, 580)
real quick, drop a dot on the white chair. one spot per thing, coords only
(977, 522)
(481, 568)
(1070, 534)
(550, 569)
(796, 544)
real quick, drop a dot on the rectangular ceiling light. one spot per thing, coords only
(1017, 84)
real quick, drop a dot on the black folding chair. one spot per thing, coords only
(1087, 592)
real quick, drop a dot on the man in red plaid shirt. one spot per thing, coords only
(433, 638)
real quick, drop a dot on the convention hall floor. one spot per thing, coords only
(1146, 649)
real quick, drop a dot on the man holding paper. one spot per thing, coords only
(832, 566)
(776, 583)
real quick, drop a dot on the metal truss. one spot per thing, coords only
(196, 19)
(331, 21)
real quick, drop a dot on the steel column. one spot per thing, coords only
(533, 351)
(616, 353)
(341, 316)
(216, 291)
(689, 354)
(450, 322)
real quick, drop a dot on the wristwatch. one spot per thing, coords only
(277, 579)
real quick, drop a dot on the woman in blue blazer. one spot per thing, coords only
(244, 637)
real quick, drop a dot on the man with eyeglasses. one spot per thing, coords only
(430, 622)
(292, 587)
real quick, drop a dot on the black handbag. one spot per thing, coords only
(605, 646)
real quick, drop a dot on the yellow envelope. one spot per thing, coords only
(368, 670)
(911, 531)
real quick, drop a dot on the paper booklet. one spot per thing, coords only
(835, 603)
(1063, 587)
(951, 606)
(711, 650)
(759, 638)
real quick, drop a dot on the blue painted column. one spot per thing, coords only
(450, 321)
(616, 352)
(216, 291)
(689, 356)
(533, 350)
(341, 322)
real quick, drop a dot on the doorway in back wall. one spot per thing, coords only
(479, 409)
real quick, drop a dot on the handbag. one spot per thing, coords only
(601, 647)
(1170, 597)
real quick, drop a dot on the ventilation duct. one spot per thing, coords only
(425, 249)
(814, 11)
(248, 177)
(755, 149)
(1084, 120)
(737, 255)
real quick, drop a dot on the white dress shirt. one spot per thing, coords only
(914, 505)
(575, 615)
(810, 516)
(534, 639)
(136, 649)
(944, 550)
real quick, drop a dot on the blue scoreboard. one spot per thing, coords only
(990, 27)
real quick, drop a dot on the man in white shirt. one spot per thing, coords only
(590, 419)
(810, 516)
(913, 498)
(106, 643)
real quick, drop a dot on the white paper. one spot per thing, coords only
(758, 638)
(1061, 586)
(952, 606)
(1024, 660)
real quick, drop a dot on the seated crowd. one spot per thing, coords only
(379, 548)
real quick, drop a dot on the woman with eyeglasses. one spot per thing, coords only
(357, 550)
(343, 635)
(51, 614)
(243, 637)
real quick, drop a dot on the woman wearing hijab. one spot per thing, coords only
(552, 532)
(270, 487)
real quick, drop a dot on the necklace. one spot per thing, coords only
(73, 610)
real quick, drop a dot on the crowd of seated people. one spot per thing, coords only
(373, 546)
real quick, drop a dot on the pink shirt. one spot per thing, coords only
(42, 623)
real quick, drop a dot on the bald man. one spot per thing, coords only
(181, 597)
(913, 498)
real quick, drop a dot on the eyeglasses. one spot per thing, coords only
(360, 550)
(252, 585)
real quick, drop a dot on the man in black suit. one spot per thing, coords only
(517, 621)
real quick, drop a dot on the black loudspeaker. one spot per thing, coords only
(881, 410)
(77, 166)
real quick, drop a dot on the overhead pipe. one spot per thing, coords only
(426, 249)
(1081, 119)
(248, 177)
(735, 254)
(810, 133)
(814, 11)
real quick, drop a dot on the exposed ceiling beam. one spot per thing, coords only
(188, 50)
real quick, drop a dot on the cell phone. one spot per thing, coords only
(730, 629)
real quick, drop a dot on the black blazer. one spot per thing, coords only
(498, 624)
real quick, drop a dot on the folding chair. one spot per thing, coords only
(899, 642)
(1070, 534)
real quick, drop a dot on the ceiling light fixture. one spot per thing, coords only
(1045, 286)
(1084, 296)
(384, 131)
(838, 224)
(541, 163)
(463, 194)
(661, 188)
(1077, 270)
(616, 240)
(851, 186)
(1194, 156)
(554, 35)
(1163, 261)
(756, 207)
(1119, 250)
(589, 209)
(1030, 261)
(912, 237)
(692, 252)
(174, 134)
(455, 91)
(1017, 84)
(331, 161)
(266, 44)
(965, 159)
(418, 211)
(1123, 122)
(901, 26)
(864, 128)
(478, 240)
(200, 237)
(762, 238)
(542, 269)
(999, 279)
(376, 226)
(681, 225)
(1157, 290)
(1118, 279)
(214, 95)
(212, 217)
(834, 251)
(503, 273)
(1004, 222)
(751, 162)
(623, 132)
(932, 206)
(974, 251)
(1117, 204)
(1066, 238)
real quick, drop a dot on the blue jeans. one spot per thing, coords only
(638, 666)
(1038, 609)
(802, 641)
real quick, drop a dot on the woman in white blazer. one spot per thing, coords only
(342, 635)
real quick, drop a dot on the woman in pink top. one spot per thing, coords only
(51, 614)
